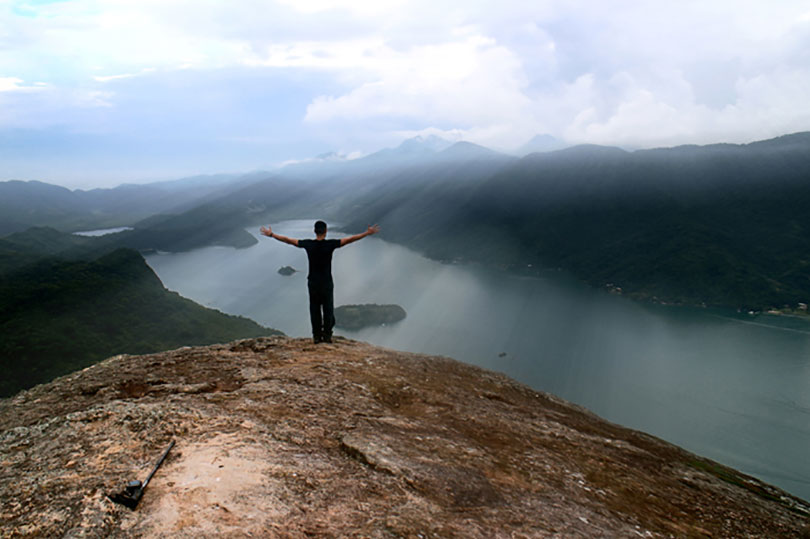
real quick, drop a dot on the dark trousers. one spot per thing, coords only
(321, 297)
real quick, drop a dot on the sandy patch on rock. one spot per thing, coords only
(218, 487)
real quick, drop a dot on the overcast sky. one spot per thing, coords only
(99, 92)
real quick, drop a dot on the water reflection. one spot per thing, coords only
(722, 385)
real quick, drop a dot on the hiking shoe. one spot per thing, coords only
(327, 338)
(317, 339)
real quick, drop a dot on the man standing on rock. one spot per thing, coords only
(319, 279)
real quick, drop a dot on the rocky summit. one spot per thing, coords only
(277, 437)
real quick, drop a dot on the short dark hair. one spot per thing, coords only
(320, 227)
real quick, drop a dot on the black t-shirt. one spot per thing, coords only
(319, 253)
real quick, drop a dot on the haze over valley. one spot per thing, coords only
(718, 225)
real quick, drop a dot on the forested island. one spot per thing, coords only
(355, 317)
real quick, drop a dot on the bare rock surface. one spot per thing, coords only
(277, 437)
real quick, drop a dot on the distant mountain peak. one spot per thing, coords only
(541, 143)
(413, 148)
(326, 158)
(593, 150)
(468, 150)
(330, 156)
(424, 144)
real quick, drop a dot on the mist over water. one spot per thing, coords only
(726, 386)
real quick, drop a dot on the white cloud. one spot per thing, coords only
(624, 72)
(630, 75)
(360, 7)
(15, 84)
(351, 156)
(107, 78)
(91, 98)
(333, 56)
(8, 84)
(465, 82)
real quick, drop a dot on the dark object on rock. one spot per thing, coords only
(133, 492)
(360, 316)
(287, 270)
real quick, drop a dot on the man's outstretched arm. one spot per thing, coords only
(267, 231)
(373, 229)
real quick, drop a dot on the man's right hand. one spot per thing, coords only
(373, 229)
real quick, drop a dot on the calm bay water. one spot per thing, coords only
(730, 387)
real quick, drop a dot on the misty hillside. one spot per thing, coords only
(541, 143)
(722, 224)
(34, 203)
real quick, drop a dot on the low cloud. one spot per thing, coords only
(108, 78)
(469, 82)
(629, 75)
(14, 84)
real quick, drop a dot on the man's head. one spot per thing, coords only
(320, 228)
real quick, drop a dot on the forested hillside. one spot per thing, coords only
(57, 316)
(721, 225)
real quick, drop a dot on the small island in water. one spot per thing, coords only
(354, 317)
(287, 270)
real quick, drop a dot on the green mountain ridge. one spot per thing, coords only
(722, 224)
(33, 203)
